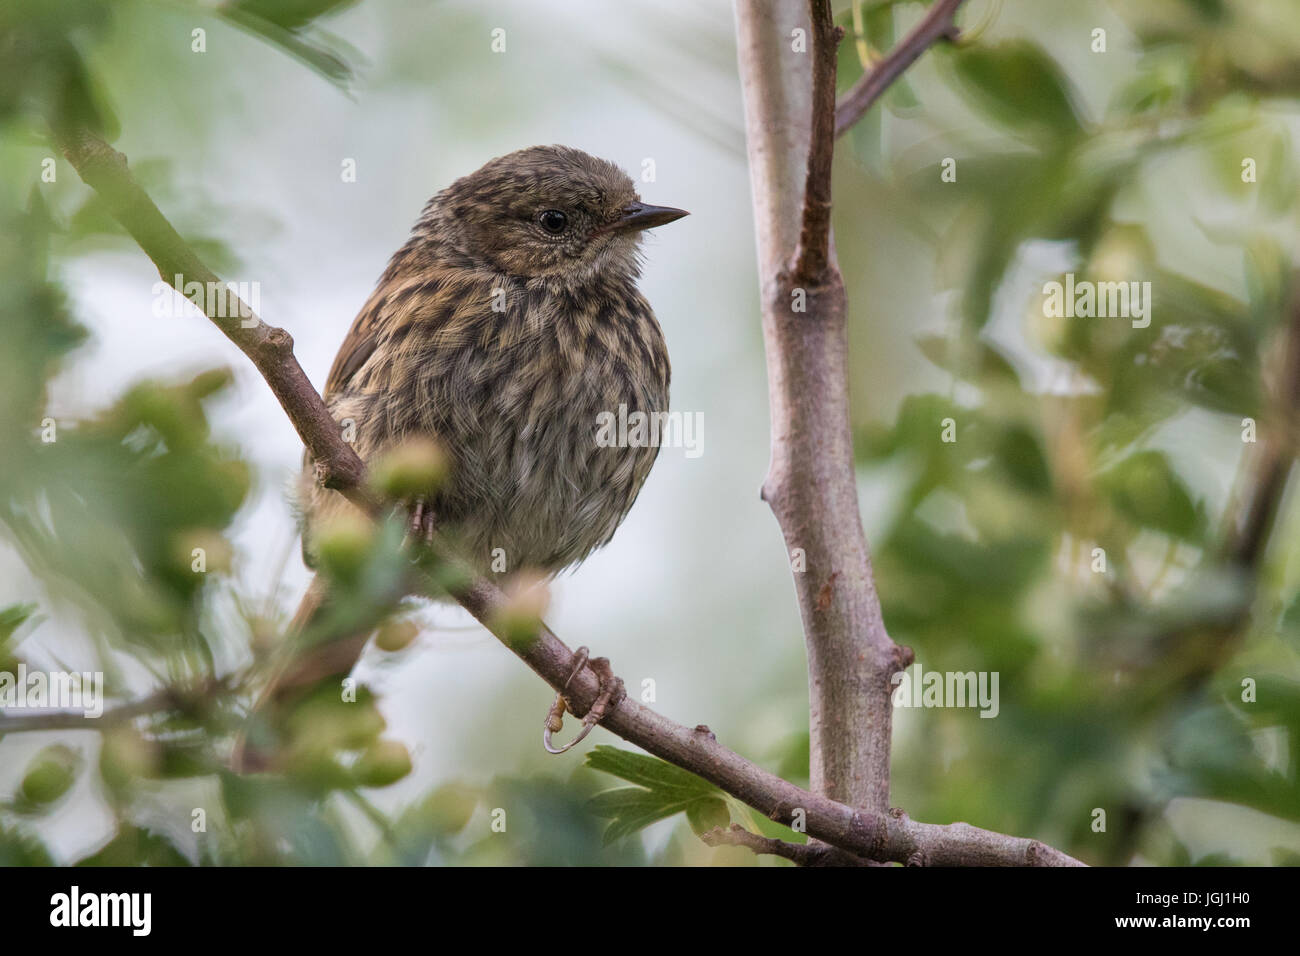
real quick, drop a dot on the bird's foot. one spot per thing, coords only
(421, 523)
(608, 697)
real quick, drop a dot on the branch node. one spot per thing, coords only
(278, 340)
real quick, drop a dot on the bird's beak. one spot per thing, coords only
(638, 215)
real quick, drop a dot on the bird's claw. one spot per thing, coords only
(610, 694)
(421, 523)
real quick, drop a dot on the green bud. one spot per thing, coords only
(396, 635)
(343, 543)
(50, 775)
(414, 468)
(384, 762)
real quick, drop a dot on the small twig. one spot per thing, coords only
(1270, 466)
(937, 24)
(169, 698)
(801, 854)
(812, 258)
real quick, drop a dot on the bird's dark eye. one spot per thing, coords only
(553, 221)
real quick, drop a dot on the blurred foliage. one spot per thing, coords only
(1121, 677)
(1069, 535)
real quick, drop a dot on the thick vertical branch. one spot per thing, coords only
(810, 483)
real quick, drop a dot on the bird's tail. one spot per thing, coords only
(299, 672)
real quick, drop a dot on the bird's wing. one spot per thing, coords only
(443, 304)
(359, 344)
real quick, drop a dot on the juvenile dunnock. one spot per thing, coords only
(503, 327)
(501, 331)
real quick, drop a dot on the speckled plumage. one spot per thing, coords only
(511, 394)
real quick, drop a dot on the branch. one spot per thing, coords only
(801, 854)
(810, 484)
(937, 24)
(1270, 469)
(169, 698)
(910, 843)
(104, 169)
(813, 256)
(869, 833)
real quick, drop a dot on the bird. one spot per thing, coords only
(500, 332)
(504, 326)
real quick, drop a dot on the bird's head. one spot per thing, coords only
(547, 211)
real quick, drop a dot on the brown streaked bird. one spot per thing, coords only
(509, 320)
(501, 330)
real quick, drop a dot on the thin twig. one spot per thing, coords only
(937, 24)
(1271, 465)
(812, 259)
(801, 854)
(169, 698)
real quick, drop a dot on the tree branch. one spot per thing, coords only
(869, 833)
(810, 484)
(270, 349)
(168, 698)
(883, 836)
(1270, 467)
(802, 854)
(937, 24)
(813, 256)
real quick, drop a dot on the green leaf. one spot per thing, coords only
(646, 771)
(292, 31)
(137, 846)
(1020, 85)
(664, 791)
(1145, 488)
(12, 618)
(287, 14)
(424, 825)
(704, 815)
(631, 809)
(18, 847)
